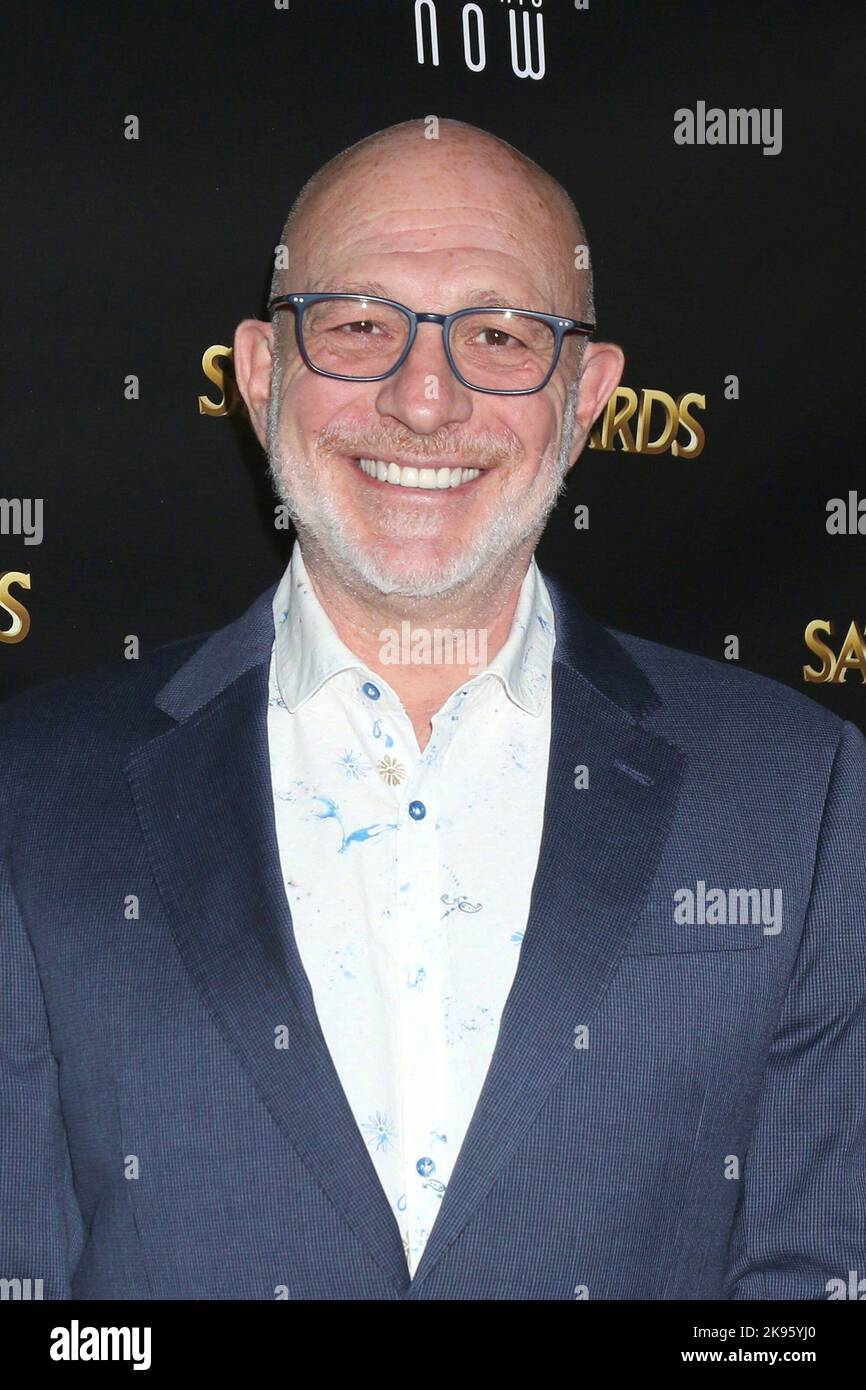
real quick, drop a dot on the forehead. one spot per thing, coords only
(442, 234)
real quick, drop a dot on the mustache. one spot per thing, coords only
(483, 447)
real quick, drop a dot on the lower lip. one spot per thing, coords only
(430, 492)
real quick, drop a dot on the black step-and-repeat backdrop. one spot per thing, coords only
(712, 147)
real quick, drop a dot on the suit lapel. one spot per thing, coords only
(598, 854)
(203, 793)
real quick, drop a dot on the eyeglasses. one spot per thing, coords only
(360, 337)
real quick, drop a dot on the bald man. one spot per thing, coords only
(414, 936)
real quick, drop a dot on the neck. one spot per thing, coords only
(424, 648)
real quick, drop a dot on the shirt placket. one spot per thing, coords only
(421, 983)
(428, 1153)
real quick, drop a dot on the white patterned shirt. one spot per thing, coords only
(408, 874)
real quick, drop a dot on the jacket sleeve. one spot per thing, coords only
(40, 1222)
(800, 1229)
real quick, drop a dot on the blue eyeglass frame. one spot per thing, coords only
(302, 301)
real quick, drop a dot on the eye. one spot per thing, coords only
(366, 326)
(499, 335)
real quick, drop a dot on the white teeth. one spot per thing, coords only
(430, 478)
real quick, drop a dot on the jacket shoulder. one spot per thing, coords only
(112, 699)
(701, 689)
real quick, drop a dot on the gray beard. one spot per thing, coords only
(323, 530)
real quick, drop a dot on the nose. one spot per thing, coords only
(425, 394)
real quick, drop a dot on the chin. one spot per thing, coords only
(412, 578)
(412, 570)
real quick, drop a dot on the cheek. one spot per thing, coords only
(306, 409)
(536, 423)
(313, 406)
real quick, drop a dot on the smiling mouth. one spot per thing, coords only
(422, 479)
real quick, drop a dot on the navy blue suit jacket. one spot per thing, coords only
(705, 1137)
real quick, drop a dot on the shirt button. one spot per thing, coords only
(370, 690)
(417, 810)
(425, 1166)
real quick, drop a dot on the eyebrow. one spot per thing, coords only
(490, 299)
(477, 298)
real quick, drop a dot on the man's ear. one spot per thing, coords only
(602, 370)
(253, 359)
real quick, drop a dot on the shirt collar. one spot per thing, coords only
(308, 650)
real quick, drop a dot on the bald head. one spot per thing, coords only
(464, 167)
